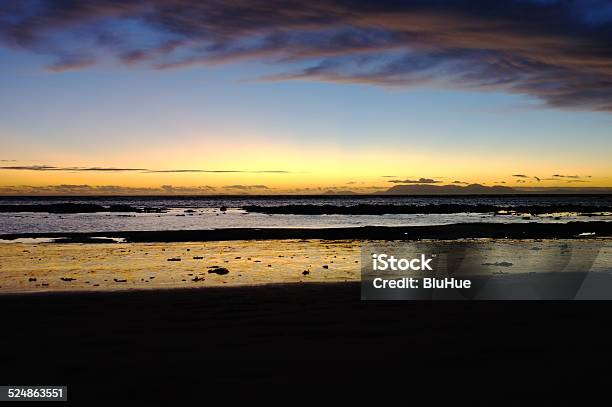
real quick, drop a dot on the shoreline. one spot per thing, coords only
(439, 232)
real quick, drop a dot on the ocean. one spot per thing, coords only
(197, 212)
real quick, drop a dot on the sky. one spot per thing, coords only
(271, 97)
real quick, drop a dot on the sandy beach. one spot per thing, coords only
(171, 316)
(147, 323)
(122, 266)
(39, 267)
(167, 317)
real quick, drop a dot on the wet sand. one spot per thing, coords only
(313, 340)
(27, 267)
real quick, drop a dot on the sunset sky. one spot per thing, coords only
(170, 96)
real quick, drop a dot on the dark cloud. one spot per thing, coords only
(113, 169)
(460, 182)
(557, 51)
(567, 176)
(29, 168)
(413, 181)
(84, 189)
(526, 176)
(51, 168)
(68, 62)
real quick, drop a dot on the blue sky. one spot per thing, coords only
(97, 109)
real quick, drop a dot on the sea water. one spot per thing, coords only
(192, 213)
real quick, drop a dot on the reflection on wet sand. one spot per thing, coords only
(120, 266)
(26, 267)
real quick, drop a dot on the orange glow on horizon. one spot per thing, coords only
(277, 169)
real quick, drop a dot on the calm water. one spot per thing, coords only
(204, 213)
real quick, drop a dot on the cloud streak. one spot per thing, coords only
(84, 189)
(415, 181)
(559, 52)
(570, 176)
(142, 170)
(51, 168)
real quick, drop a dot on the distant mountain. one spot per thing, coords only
(472, 189)
(478, 189)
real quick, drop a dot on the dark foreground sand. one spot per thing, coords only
(176, 346)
